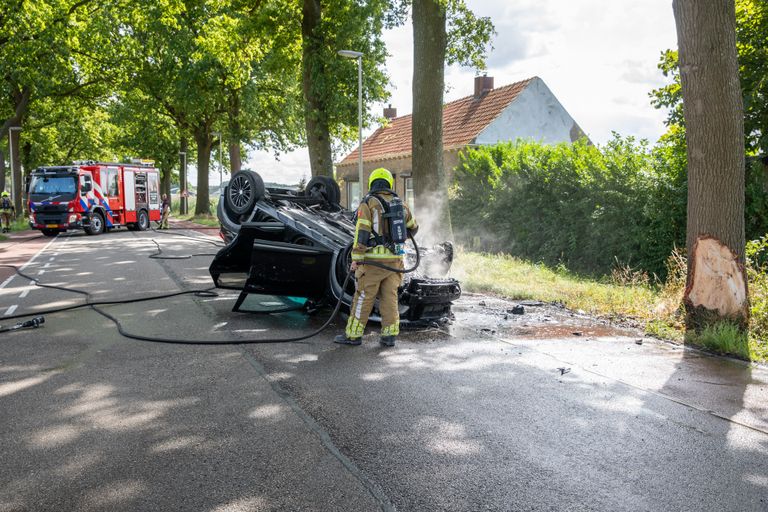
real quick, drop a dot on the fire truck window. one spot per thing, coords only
(112, 183)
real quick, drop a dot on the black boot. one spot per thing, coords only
(342, 339)
(388, 341)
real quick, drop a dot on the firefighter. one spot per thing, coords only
(166, 212)
(374, 242)
(7, 211)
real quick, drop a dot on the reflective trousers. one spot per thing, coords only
(372, 282)
(164, 218)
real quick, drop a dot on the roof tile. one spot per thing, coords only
(463, 120)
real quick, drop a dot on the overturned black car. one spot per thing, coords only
(289, 243)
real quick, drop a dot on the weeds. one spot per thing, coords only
(723, 337)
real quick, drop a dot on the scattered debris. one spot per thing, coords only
(517, 310)
(533, 303)
(577, 333)
(639, 341)
(564, 370)
(481, 303)
(487, 330)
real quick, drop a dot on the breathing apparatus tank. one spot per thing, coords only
(396, 218)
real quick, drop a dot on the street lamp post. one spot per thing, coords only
(15, 193)
(350, 54)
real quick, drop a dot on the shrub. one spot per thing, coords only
(576, 204)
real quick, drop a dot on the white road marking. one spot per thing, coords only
(52, 258)
(10, 310)
(5, 283)
(24, 293)
(46, 265)
(41, 272)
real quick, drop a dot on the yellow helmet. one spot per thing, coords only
(6, 194)
(381, 174)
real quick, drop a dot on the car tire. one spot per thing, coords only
(142, 220)
(324, 187)
(244, 189)
(50, 232)
(97, 224)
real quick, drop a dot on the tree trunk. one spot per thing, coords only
(204, 141)
(429, 180)
(235, 134)
(13, 140)
(183, 156)
(2, 170)
(318, 136)
(714, 118)
(165, 180)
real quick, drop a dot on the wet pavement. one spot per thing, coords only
(548, 410)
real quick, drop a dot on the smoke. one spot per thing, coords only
(434, 219)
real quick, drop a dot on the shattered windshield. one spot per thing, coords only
(52, 188)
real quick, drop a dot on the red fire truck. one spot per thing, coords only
(94, 197)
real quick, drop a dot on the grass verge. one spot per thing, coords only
(656, 307)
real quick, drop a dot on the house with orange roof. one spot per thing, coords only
(522, 110)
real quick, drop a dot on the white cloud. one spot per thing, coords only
(599, 58)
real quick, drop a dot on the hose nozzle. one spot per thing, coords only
(33, 323)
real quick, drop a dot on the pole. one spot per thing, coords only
(360, 125)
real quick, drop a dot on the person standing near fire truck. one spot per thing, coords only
(7, 211)
(166, 212)
(380, 230)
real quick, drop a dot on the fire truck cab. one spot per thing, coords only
(94, 197)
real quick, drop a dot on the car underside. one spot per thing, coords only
(289, 243)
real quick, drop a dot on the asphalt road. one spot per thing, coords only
(451, 419)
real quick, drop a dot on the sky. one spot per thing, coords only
(598, 57)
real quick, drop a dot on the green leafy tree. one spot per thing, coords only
(330, 82)
(752, 48)
(47, 51)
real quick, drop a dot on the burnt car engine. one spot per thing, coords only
(286, 242)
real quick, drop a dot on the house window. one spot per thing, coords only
(409, 197)
(353, 194)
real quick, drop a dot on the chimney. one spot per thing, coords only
(389, 112)
(483, 84)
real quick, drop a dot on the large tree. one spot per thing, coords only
(443, 31)
(329, 82)
(47, 50)
(714, 119)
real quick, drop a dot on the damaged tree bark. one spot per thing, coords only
(716, 288)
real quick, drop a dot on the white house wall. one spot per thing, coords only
(534, 114)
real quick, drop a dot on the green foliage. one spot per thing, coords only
(468, 37)
(752, 48)
(575, 204)
(757, 272)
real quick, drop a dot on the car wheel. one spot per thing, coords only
(245, 188)
(325, 188)
(143, 221)
(97, 224)
(50, 232)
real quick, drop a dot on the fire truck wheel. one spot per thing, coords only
(143, 221)
(97, 224)
(245, 188)
(50, 232)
